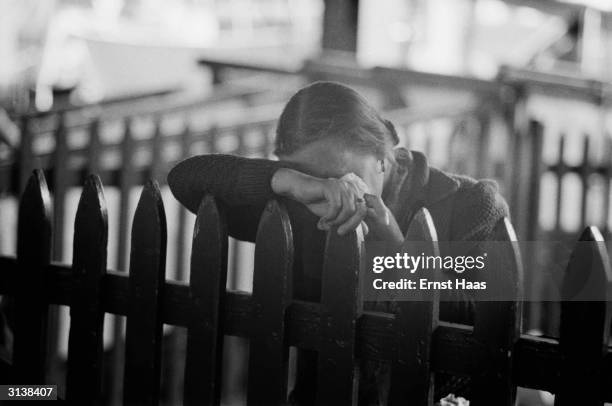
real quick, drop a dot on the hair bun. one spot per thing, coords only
(392, 131)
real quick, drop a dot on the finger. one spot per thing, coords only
(348, 207)
(334, 200)
(354, 221)
(366, 229)
(377, 211)
(375, 202)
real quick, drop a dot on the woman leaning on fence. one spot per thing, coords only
(339, 165)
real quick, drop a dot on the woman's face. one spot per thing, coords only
(328, 159)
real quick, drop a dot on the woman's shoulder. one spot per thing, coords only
(478, 206)
(471, 208)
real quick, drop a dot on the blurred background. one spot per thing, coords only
(515, 90)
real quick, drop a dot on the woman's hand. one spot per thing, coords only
(381, 223)
(338, 202)
(344, 202)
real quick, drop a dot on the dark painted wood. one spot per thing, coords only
(607, 174)
(536, 361)
(156, 164)
(532, 178)
(31, 307)
(94, 148)
(483, 162)
(497, 324)
(340, 25)
(272, 292)
(585, 172)
(125, 182)
(181, 220)
(340, 309)
(178, 343)
(415, 321)
(59, 185)
(25, 155)
(559, 172)
(207, 293)
(146, 285)
(84, 372)
(585, 322)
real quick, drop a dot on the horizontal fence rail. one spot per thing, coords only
(577, 366)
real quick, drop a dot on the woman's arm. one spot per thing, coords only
(244, 185)
(234, 180)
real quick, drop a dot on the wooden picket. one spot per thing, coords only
(84, 372)
(585, 322)
(497, 324)
(207, 289)
(31, 309)
(143, 334)
(272, 292)
(412, 374)
(578, 367)
(340, 309)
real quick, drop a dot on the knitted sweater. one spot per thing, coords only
(462, 209)
(243, 185)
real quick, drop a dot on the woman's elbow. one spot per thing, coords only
(178, 182)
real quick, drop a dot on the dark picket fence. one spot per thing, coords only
(577, 366)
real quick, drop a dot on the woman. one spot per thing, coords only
(339, 166)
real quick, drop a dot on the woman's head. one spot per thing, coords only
(331, 129)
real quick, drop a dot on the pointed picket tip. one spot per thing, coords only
(421, 234)
(504, 231)
(150, 206)
(209, 242)
(36, 194)
(588, 276)
(509, 255)
(274, 241)
(591, 233)
(149, 232)
(275, 217)
(274, 245)
(35, 214)
(91, 224)
(209, 215)
(421, 227)
(92, 205)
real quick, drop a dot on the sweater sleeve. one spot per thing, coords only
(235, 181)
(478, 208)
(241, 185)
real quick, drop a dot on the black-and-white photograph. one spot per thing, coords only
(306, 202)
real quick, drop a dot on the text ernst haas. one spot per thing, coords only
(426, 284)
(459, 284)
